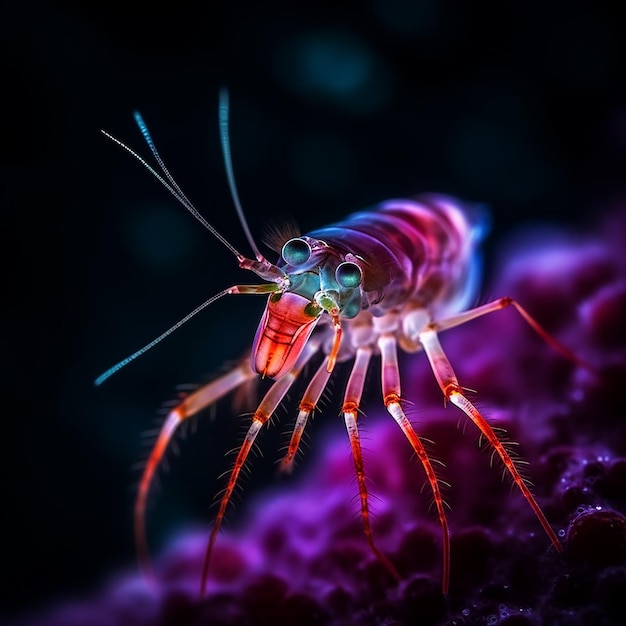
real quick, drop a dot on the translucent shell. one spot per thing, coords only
(285, 327)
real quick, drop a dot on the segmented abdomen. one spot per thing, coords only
(421, 251)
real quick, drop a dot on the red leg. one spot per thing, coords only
(203, 397)
(454, 393)
(265, 410)
(391, 395)
(497, 305)
(351, 403)
(307, 406)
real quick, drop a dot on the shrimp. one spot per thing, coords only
(385, 279)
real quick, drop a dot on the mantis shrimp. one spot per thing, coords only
(382, 280)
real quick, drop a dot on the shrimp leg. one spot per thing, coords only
(497, 305)
(307, 405)
(351, 402)
(265, 410)
(391, 396)
(453, 392)
(192, 404)
(205, 396)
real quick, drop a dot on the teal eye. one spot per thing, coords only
(296, 251)
(348, 275)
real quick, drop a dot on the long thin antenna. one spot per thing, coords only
(169, 331)
(148, 138)
(223, 116)
(278, 280)
(173, 188)
(234, 289)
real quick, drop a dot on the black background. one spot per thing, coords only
(519, 105)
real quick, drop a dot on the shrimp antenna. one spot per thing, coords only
(262, 267)
(170, 184)
(169, 331)
(224, 108)
(262, 289)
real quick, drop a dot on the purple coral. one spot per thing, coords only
(301, 556)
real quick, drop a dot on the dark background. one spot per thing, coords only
(519, 105)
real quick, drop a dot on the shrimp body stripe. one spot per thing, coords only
(422, 251)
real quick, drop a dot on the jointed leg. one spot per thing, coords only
(497, 305)
(351, 402)
(263, 413)
(391, 395)
(307, 405)
(453, 392)
(203, 397)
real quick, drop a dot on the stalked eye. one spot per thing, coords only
(348, 274)
(296, 251)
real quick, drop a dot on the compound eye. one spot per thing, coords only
(296, 251)
(348, 275)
